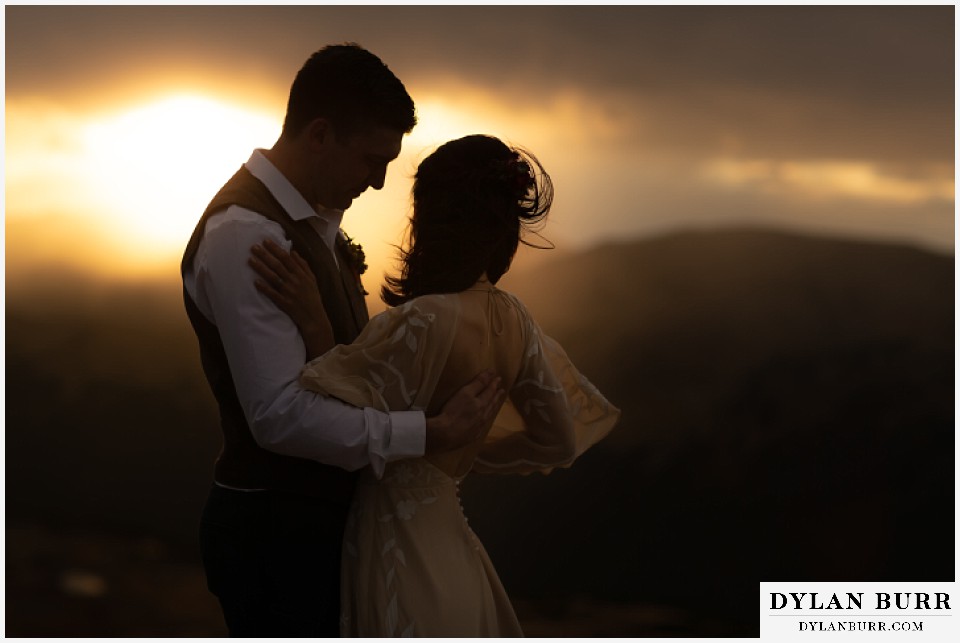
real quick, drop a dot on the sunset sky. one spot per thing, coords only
(122, 122)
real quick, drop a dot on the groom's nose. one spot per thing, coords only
(377, 178)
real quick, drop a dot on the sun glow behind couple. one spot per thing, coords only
(130, 180)
(112, 185)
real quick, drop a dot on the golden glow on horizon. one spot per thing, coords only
(138, 177)
(153, 167)
(832, 179)
(120, 190)
(117, 189)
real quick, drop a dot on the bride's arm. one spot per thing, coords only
(554, 413)
(288, 281)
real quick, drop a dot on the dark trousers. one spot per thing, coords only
(273, 560)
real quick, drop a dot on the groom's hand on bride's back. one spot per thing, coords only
(466, 415)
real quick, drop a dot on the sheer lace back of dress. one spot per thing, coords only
(489, 335)
(408, 547)
(415, 356)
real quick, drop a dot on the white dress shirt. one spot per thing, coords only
(266, 352)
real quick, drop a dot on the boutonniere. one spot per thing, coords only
(356, 258)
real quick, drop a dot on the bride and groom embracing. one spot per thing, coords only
(335, 506)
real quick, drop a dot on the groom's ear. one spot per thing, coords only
(319, 133)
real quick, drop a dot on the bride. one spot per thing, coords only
(411, 564)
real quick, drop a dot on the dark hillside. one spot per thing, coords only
(788, 415)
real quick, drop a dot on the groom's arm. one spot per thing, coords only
(288, 281)
(266, 353)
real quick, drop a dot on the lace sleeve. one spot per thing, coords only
(553, 414)
(396, 361)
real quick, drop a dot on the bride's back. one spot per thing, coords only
(489, 335)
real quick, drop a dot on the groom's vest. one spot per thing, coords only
(243, 463)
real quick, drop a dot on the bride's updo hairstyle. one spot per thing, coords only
(472, 199)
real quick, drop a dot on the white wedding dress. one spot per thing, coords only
(411, 564)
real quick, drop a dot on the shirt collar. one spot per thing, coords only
(325, 220)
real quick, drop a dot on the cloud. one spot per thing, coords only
(780, 82)
(648, 117)
(824, 180)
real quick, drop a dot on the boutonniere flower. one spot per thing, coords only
(356, 258)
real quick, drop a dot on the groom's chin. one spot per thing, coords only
(345, 201)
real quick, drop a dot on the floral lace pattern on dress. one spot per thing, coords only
(404, 489)
(412, 566)
(387, 366)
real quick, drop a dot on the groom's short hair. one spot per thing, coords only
(350, 87)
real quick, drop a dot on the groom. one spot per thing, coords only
(271, 530)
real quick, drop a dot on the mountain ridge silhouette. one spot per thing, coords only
(781, 394)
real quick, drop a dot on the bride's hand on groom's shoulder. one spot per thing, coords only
(466, 415)
(286, 279)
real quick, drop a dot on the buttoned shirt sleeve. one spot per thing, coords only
(266, 354)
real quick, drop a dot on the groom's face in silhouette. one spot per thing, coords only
(348, 165)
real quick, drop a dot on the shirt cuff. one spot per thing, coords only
(408, 435)
(394, 436)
